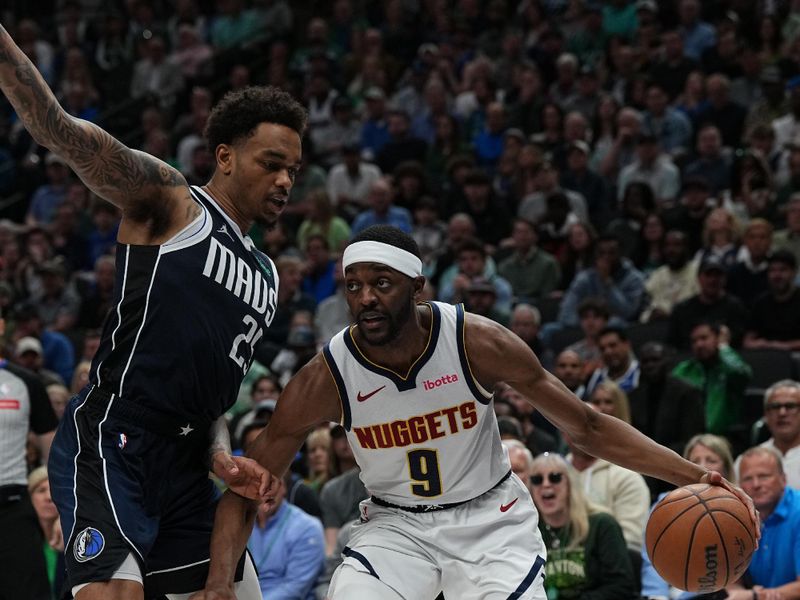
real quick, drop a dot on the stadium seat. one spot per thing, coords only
(564, 337)
(639, 333)
(769, 365)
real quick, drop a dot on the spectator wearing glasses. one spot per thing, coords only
(586, 553)
(774, 567)
(782, 417)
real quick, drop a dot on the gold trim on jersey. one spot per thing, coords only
(419, 358)
(484, 392)
(338, 393)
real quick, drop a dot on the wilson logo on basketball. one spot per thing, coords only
(443, 380)
(709, 580)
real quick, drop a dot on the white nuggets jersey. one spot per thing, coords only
(425, 437)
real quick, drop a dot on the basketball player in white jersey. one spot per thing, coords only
(410, 384)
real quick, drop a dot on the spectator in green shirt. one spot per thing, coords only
(720, 372)
(532, 272)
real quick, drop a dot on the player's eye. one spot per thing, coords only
(352, 286)
(383, 283)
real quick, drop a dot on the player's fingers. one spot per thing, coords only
(264, 485)
(229, 464)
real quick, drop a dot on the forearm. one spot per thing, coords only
(28, 93)
(233, 524)
(220, 438)
(108, 167)
(630, 449)
(789, 591)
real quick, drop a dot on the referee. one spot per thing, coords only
(24, 407)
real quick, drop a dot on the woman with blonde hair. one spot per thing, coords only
(318, 451)
(586, 553)
(609, 399)
(47, 515)
(721, 232)
(711, 452)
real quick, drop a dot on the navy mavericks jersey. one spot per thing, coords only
(187, 317)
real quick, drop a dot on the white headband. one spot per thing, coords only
(385, 254)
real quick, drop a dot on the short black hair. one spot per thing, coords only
(783, 256)
(616, 330)
(238, 114)
(508, 425)
(595, 305)
(388, 234)
(714, 326)
(471, 244)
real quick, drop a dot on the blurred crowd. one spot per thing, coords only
(616, 181)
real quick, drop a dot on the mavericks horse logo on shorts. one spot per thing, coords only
(88, 544)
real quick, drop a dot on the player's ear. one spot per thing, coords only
(224, 156)
(418, 284)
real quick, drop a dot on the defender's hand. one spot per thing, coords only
(214, 594)
(243, 476)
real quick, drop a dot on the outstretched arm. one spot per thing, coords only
(310, 398)
(153, 196)
(499, 355)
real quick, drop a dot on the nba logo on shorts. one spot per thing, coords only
(88, 544)
(123, 439)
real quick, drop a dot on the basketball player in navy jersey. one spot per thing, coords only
(409, 382)
(129, 464)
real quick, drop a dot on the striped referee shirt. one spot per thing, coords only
(24, 406)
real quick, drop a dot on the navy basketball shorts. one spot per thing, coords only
(122, 488)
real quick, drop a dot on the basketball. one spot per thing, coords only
(700, 538)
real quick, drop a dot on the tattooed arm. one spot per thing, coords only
(154, 197)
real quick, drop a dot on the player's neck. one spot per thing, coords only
(406, 347)
(223, 198)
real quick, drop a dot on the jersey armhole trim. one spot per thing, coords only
(191, 234)
(481, 394)
(341, 390)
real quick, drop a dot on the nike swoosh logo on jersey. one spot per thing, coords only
(505, 507)
(361, 397)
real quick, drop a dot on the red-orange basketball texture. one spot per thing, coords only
(700, 538)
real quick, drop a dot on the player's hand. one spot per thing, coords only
(214, 594)
(715, 478)
(243, 476)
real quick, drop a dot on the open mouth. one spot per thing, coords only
(371, 319)
(279, 202)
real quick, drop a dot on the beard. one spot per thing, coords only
(265, 223)
(395, 323)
